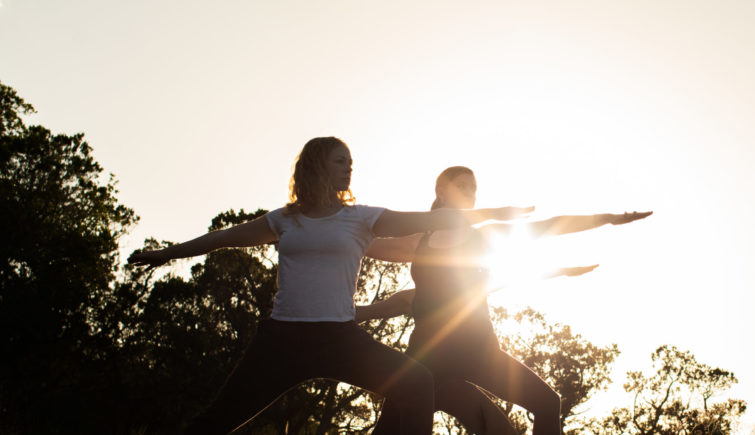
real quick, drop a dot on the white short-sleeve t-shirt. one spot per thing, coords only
(318, 262)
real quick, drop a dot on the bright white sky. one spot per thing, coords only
(574, 107)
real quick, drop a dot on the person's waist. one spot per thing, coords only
(450, 318)
(290, 325)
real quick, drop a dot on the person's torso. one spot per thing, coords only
(319, 259)
(450, 305)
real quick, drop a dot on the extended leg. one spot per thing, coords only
(287, 353)
(471, 407)
(257, 380)
(512, 381)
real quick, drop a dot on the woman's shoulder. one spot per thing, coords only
(283, 216)
(365, 211)
(279, 212)
(364, 207)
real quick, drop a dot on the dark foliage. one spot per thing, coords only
(59, 231)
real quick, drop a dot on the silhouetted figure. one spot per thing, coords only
(311, 333)
(453, 335)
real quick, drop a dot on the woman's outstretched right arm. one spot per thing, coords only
(252, 233)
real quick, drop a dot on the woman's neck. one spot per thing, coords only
(450, 237)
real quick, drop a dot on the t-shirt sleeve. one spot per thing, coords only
(369, 215)
(275, 221)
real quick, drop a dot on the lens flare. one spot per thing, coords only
(516, 259)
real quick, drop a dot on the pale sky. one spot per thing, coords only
(571, 106)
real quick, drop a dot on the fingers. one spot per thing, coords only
(140, 262)
(136, 257)
(140, 259)
(585, 269)
(637, 216)
(576, 271)
(631, 217)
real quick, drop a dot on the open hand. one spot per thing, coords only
(576, 271)
(151, 259)
(620, 219)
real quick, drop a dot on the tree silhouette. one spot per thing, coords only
(570, 364)
(179, 338)
(58, 251)
(676, 399)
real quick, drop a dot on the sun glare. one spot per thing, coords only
(516, 259)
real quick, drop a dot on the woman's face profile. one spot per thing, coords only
(338, 166)
(460, 192)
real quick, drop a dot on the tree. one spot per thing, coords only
(59, 235)
(676, 399)
(571, 365)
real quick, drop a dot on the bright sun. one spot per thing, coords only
(517, 259)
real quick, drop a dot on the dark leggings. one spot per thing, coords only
(284, 354)
(457, 376)
(509, 379)
(472, 408)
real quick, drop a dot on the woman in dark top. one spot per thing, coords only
(311, 333)
(453, 335)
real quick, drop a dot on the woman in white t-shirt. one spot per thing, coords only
(311, 333)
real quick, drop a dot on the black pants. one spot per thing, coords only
(505, 377)
(467, 357)
(472, 356)
(284, 354)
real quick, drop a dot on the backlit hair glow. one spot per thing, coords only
(310, 185)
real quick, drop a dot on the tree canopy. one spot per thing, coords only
(676, 399)
(59, 235)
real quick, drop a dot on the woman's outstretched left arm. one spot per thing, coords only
(401, 249)
(399, 224)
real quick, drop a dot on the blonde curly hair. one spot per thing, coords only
(310, 185)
